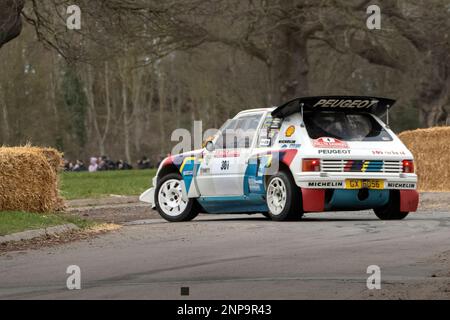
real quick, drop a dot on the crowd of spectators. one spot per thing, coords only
(104, 163)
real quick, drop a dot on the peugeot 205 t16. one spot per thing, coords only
(314, 154)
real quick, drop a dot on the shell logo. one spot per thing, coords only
(290, 131)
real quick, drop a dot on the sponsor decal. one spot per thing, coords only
(286, 141)
(254, 185)
(295, 145)
(284, 146)
(289, 131)
(326, 142)
(276, 123)
(401, 185)
(389, 153)
(322, 184)
(346, 103)
(264, 142)
(334, 151)
(273, 133)
(226, 153)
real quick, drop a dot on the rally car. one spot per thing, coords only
(314, 154)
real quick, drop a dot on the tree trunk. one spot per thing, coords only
(126, 129)
(104, 135)
(434, 106)
(162, 102)
(5, 125)
(289, 67)
(52, 101)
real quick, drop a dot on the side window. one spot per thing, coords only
(222, 141)
(246, 130)
(239, 132)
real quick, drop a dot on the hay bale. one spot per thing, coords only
(29, 179)
(431, 150)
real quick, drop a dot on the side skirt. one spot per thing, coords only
(234, 204)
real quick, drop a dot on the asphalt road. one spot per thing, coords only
(325, 256)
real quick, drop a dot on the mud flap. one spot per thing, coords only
(313, 200)
(409, 200)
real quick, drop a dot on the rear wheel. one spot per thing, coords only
(283, 198)
(391, 211)
(169, 200)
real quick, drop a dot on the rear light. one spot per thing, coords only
(408, 166)
(311, 165)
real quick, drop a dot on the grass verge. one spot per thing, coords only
(82, 185)
(12, 222)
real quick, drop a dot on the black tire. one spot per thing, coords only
(190, 211)
(292, 210)
(391, 211)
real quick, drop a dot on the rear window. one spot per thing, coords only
(345, 126)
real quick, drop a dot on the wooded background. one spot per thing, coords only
(139, 69)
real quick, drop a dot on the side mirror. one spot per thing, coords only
(210, 138)
(209, 146)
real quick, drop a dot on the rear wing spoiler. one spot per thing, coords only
(351, 104)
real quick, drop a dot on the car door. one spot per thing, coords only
(222, 170)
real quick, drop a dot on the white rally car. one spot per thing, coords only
(311, 154)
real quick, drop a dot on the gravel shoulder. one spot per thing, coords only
(113, 209)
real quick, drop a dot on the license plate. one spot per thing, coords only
(359, 184)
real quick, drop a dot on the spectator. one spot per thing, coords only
(79, 166)
(123, 165)
(68, 165)
(144, 163)
(93, 165)
(110, 165)
(102, 164)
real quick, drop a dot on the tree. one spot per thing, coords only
(139, 69)
(10, 20)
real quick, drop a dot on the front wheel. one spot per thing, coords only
(169, 200)
(391, 211)
(283, 198)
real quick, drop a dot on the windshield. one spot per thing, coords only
(345, 126)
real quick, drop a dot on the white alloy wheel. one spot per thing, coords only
(276, 196)
(170, 198)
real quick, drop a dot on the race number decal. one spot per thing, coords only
(225, 165)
